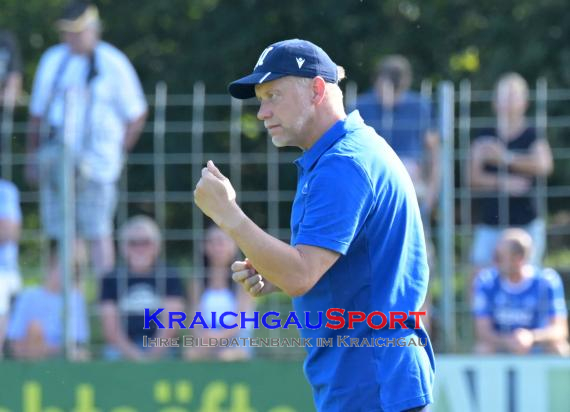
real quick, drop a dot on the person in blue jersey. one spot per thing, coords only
(357, 241)
(518, 307)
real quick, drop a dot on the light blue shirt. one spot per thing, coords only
(46, 307)
(9, 210)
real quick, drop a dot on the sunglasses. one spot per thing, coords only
(139, 242)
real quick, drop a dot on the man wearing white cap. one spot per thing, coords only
(107, 114)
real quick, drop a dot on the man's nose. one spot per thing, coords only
(264, 112)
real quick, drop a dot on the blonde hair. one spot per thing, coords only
(148, 225)
(512, 78)
(341, 73)
(520, 242)
(332, 90)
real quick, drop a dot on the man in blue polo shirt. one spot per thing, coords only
(357, 239)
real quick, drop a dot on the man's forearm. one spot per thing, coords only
(133, 132)
(494, 339)
(9, 231)
(12, 89)
(551, 333)
(484, 181)
(528, 164)
(279, 262)
(486, 334)
(125, 346)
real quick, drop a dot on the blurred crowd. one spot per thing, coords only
(87, 93)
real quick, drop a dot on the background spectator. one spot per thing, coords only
(218, 293)
(36, 329)
(107, 115)
(505, 162)
(518, 307)
(10, 227)
(143, 283)
(10, 69)
(404, 119)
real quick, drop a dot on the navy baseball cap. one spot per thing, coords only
(295, 57)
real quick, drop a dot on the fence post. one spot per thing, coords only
(236, 162)
(446, 101)
(541, 117)
(160, 98)
(6, 136)
(66, 244)
(198, 106)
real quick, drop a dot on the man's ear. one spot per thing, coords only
(319, 88)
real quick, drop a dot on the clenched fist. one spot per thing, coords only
(216, 197)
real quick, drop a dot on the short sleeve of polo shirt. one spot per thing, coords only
(337, 199)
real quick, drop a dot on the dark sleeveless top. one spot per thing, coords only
(521, 209)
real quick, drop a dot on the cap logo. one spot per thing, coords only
(263, 56)
(300, 61)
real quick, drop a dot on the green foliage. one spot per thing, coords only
(185, 40)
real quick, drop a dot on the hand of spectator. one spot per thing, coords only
(514, 185)
(491, 151)
(135, 354)
(521, 341)
(216, 197)
(252, 282)
(153, 354)
(79, 354)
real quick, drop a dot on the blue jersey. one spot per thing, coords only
(530, 304)
(354, 197)
(404, 126)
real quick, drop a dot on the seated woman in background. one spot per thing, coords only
(141, 283)
(216, 292)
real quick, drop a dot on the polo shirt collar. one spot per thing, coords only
(331, 136)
